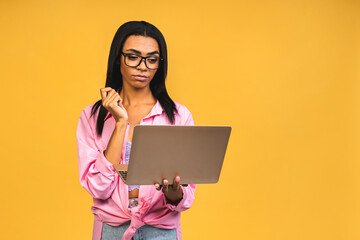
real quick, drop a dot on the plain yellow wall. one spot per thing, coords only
(284, 74)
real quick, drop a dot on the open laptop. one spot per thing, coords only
(195, 153)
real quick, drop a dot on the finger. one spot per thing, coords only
(176, 184)
(107, 88)
(114, 98)
(120, 104)
(157, 186)
(106, 94)
(104, 91)
(106, 100)
(165, 187)
(120, 101)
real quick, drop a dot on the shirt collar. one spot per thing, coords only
(156, 110)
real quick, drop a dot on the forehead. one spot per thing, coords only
(141, 44)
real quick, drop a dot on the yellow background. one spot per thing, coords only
(284, 74)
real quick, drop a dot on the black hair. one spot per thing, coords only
(114, 78)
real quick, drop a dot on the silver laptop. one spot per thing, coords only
(195, 153)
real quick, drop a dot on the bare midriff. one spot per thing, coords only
(134, 193)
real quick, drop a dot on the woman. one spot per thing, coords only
(135, 93)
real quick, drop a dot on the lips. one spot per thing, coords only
(140, 77)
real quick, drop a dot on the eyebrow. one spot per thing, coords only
(138, 52)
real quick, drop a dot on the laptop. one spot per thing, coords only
(195, 153)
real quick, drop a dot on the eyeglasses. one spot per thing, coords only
(133, 60)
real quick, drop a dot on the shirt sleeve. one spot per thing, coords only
(97, 175)
(186, 201)
(188, 191)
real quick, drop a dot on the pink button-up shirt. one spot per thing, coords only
(110, 193)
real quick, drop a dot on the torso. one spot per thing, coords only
(135, 115)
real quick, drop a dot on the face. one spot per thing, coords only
(140, 76)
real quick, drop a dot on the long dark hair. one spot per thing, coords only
(114, 78)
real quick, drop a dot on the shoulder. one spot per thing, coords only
(86, 113)
(88, 108)
(183, 114)
(181, 109)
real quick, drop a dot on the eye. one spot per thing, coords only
(153, 59)
(132, 57)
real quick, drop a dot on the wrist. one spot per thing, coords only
(173, 202)
(174, 199)
(121, 123)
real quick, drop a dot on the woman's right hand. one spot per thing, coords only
(112, 102)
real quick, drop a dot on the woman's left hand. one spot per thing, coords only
(173, 193)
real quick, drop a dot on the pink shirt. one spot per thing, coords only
(110, 193)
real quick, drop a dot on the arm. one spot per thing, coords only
(185, 195)
(97, 174)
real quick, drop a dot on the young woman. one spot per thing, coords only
(135, 93)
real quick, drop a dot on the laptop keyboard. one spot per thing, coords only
(123, 175)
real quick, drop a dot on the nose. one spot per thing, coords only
(142, 65)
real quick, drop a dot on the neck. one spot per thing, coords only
(132, 96)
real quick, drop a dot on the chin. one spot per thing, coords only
(140, 85)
